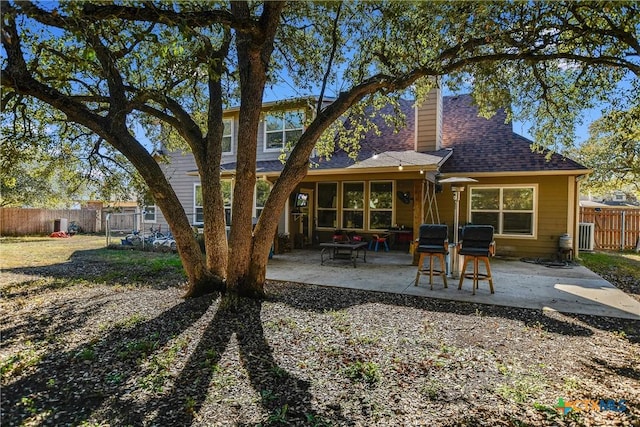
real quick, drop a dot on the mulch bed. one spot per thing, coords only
(76, 351)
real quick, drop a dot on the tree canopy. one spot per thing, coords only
(613, 152)
(47, 162)
(172, 68)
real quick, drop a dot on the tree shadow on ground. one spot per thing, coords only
(284, 397)
(624, 328)
(82, 379)
(91, 379)
(140, 269)
(314, 297)
(70, 315)
(101, 387)
(609, 368)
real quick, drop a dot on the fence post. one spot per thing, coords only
(622, 237)
(107, 229)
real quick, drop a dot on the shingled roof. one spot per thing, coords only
(392, 146)
(490, 145)
(470, 144)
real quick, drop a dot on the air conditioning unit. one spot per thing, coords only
(586, 239)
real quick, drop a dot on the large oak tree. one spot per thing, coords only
(108, 69)
(613, 152)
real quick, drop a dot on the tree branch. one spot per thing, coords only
(197, 19)
(334, 47)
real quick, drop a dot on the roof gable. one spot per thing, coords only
(490, 145)
(470, 144)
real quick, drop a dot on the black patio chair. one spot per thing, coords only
(477, 244)
(432, 242)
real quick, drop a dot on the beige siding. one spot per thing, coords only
(429, 123)
(551, 215)
(177, 171)
(404, 212)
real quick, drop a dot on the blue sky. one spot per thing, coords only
(284, 91)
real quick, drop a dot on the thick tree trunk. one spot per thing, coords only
(201, 280)
(209, 160)
(254, 53)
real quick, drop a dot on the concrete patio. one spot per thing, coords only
(573, 289)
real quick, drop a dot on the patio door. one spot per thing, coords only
(303, 220)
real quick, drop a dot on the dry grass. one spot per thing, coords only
(40, 251)
(100, 337)
(622, 269)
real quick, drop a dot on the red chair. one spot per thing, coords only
(378, 239)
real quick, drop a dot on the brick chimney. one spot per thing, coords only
(428, 124)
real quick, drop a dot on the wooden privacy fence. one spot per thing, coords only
(614, 228)
(25, 221)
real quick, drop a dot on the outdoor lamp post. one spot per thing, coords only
(457, 187)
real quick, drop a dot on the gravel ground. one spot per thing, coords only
(81, 347)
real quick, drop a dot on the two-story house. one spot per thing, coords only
(531, 200)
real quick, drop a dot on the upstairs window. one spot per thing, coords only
(282, 128)
(227, 137)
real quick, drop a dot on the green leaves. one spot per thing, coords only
(613, 152)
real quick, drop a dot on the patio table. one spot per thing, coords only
(343, 250)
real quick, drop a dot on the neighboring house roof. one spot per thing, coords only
(591, 204)
(618, 203)
(490, 145)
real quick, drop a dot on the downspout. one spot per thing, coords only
(576, 231)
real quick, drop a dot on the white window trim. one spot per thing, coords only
(232, 144)
(370, 209)
(254, 213)
(195, 207)
(283, 130)
(342, 209)
(336, 208)
(534, 221)
(155, 214)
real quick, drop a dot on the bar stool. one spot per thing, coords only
(432, 242)
(477, 244)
